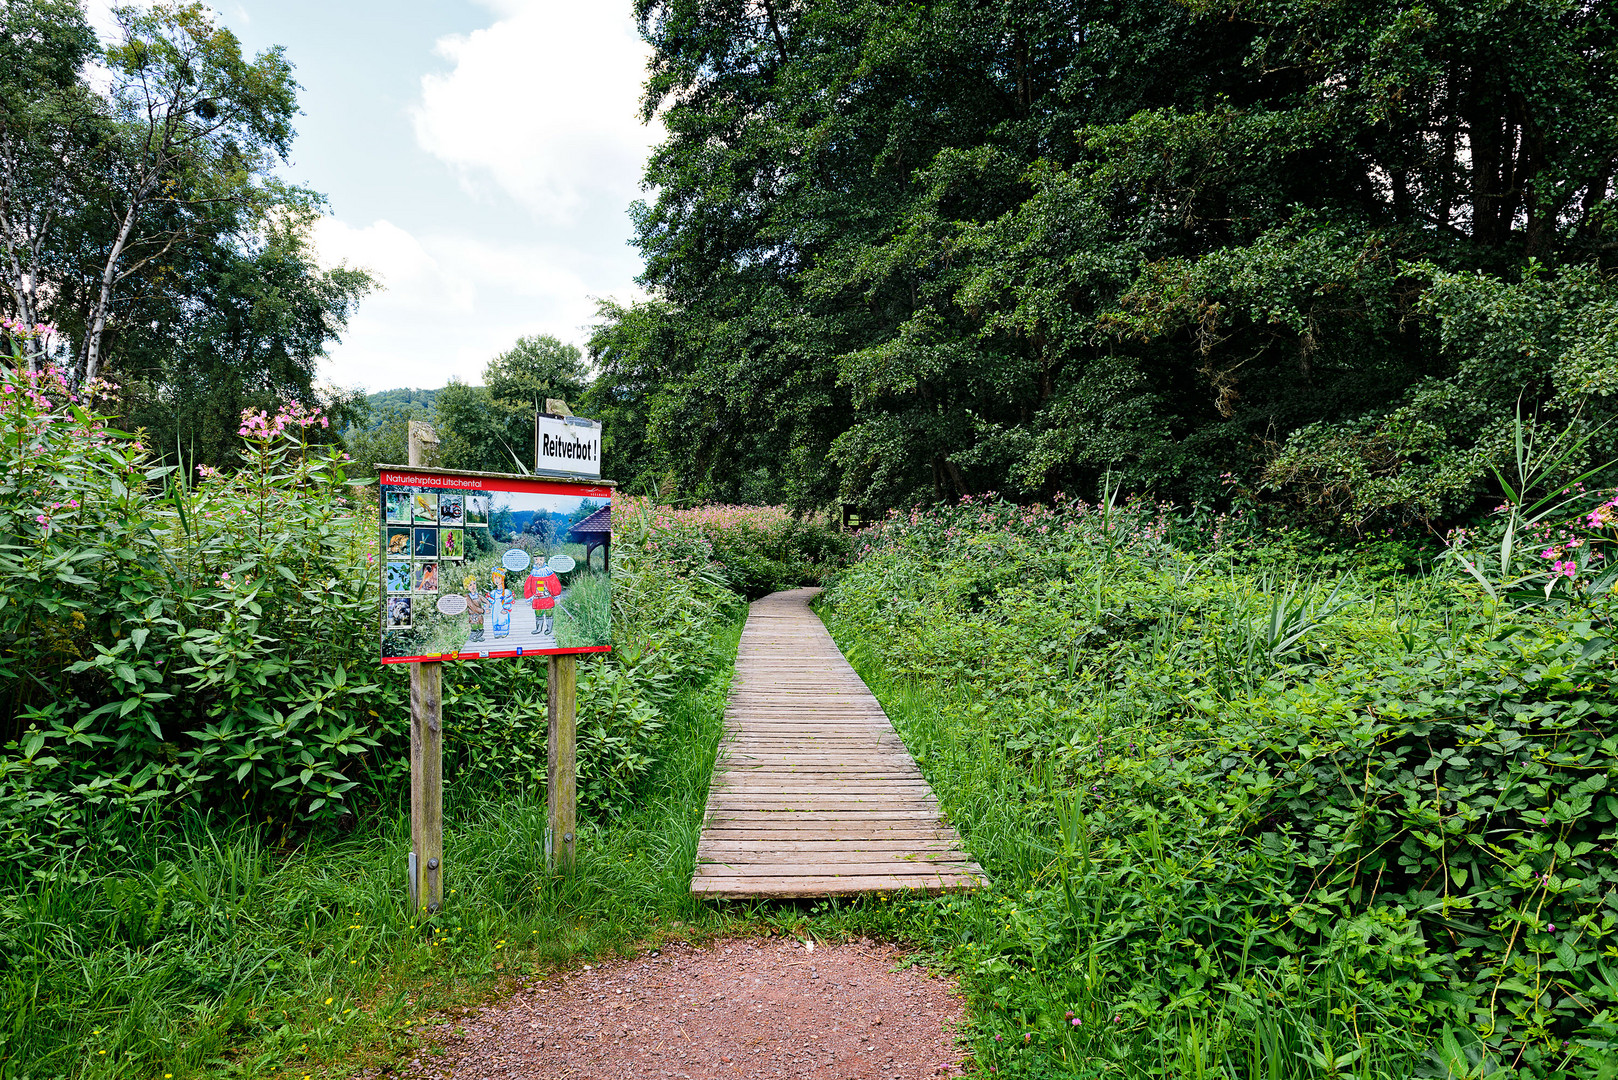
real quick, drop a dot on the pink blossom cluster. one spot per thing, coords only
(1128, 524)
(18, 329)
(1573, 545)
(260, 425)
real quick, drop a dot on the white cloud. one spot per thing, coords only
(543, 106)
(446, 303)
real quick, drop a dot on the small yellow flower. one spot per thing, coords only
(328, 1001)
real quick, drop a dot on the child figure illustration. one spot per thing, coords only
(501, 601)
(541, 589)
(474, 608)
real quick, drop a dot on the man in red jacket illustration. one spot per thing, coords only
(541, 589)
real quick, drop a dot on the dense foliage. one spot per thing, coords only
(756, 549)
(908, 251)
(140, 213)
(1241, 818)
(212, 642)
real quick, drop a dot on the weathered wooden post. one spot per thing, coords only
(561, 788)
(426, 752)
(561, 776)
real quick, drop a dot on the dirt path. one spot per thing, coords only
(740, 1008)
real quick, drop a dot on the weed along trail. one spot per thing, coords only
(813, 792)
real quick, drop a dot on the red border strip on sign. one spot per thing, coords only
(495, 654)
(533, 485)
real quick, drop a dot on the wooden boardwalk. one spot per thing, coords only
(813, 793)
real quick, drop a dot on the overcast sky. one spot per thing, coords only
(480, 159)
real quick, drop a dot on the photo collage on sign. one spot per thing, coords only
(424, 539)
(519, 566)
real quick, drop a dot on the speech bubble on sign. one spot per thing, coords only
(453, 604)
(561, 564)
(516, 559)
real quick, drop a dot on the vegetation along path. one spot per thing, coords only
(813, 792)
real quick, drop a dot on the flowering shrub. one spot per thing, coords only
(212, 640)
(165, 642)
(757, 549)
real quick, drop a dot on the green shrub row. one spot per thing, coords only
(1240, 818)
(756, 549)
(210, 641)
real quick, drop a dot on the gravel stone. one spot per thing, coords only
(739, 1008)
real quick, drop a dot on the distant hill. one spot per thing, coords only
(385, 400)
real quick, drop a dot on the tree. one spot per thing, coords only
(490, 428)
(50, 127)
(197, 130)
(143, 219)
(473, 434)
(238, 325)
(535, 368)
(908, 251)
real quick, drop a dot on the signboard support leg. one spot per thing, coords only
(561, 789)
(427, 786)
(426, 754)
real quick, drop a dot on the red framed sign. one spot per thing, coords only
(486, 565)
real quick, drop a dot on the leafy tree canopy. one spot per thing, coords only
(142, 217)
(906, 251)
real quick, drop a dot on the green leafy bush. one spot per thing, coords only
(757, 549)
(212, 641)
(1236, 816)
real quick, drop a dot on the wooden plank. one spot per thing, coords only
(719, 847)
(831, 885)
(887, 868)
(814, 793)
(561, 789)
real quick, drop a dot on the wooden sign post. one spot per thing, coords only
(464, 576)
(426, 753)
(562, 788)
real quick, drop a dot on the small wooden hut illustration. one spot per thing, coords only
(594, 532)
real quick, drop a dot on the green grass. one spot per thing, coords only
(209, 950)
(585, 614)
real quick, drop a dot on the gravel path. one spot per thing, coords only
(739, 1008)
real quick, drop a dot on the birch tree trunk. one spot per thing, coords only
(109, 277)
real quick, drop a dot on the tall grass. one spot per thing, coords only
(212, 949)
(584, 615)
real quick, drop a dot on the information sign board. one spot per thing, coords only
(483, 566)
(567, 444)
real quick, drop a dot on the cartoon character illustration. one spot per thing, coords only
(541, 590)
(474, 608)
(501, 601)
